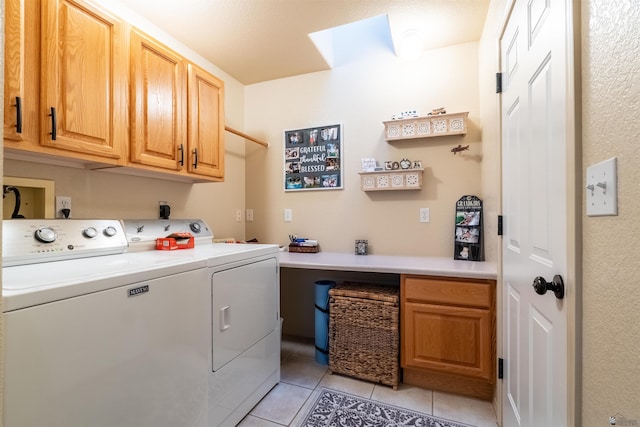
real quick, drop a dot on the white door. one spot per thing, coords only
(536, 116)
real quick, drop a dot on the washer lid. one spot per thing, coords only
(29, 285)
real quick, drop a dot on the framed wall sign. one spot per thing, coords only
(313, 158)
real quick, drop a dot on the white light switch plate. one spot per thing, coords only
(602, 188)
(424, 214)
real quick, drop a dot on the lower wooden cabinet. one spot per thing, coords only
(448, 334)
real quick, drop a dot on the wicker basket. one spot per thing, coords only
(304, 249)
(364, 337)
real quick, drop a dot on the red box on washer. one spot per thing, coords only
(175, 241)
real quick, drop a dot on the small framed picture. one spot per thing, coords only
(362, 247)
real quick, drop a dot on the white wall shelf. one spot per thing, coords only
(426, 127)
(386, 180)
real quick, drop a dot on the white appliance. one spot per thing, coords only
(244, 315)
(98, 337)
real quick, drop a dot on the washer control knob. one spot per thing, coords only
(195, 227)
(45, 235)
(90, 233)
(110, 231)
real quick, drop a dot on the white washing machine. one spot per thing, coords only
(244, 315)
(98, 337)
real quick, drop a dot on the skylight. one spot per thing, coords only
(339, 45)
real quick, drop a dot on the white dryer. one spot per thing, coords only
(245, 333)
(244, 294)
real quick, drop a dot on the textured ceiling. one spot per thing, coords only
(260, 40)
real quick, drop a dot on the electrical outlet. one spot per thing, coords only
(249, 215)
(63, 202)
(165, 210)
(288, 215)
(238, 215)
(424, 214)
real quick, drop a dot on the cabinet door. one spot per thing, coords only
(158, 100)
(21, 58)
(454, 340)
(206, 123)
(83, 79)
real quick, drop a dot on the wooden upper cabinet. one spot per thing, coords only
(83, 85)
(205, 123)
(21, 59)
(158, 104)
(84, 80)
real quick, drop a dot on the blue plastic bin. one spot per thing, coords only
(322, 320)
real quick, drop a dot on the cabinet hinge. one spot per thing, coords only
(498, 82)
(500, 368)
(499, 225)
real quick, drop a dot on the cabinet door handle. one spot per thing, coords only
(18, 114)
(181, 150)
(195, 158)
(53, 132)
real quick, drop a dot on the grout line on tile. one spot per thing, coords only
(298, 385)
(269, 421)
(304, 406)
(432, 397)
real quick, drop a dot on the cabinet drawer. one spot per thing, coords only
(444, 290)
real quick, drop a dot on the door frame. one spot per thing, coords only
(573, 293)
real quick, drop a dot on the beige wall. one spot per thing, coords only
(361, 95)
(611, 295)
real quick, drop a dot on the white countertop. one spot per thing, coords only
(430, 266)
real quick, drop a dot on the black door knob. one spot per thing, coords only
(542, 286)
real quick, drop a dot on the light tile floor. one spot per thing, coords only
(301, 377)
